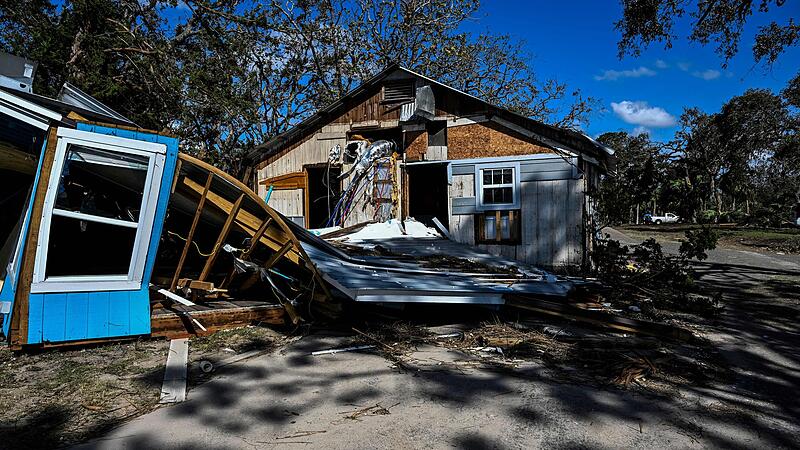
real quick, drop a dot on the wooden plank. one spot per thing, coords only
(527, 247)
(560, 224)
(598, 318)
(246, 254)
(223, 234)
(294, 180)
(35, 318)
(119, 315)
(99, 307)
(139, 312)
(192, 229)
(55, 311)
(278, 255)
(18, 332)
(171, 324)
(177, 175)
(77, 316)
(306, 201)
(173, 390)
(246, 221)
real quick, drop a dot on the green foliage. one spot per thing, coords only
(665, 280)
(228, 75)
(741, 164)
(698, 242)
(636, 178)
(645, 22)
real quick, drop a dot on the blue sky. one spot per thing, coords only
(575, 43)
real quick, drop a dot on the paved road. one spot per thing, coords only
(292, 399)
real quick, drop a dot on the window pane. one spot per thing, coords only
(487, 176)
(497, 177)
(102, 183)
(506, 176)
(498, 195)
(490, 230)
(506, 195)
(79, 247)
(505, 226)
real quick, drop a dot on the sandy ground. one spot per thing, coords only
(447, 398)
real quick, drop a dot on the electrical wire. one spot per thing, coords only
(206, 255)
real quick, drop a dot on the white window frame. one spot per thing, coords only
(514, 185)
(144, 227)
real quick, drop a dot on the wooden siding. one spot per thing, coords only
(288, 202)
(370, 108)
(552, 221)
(488, 139)
(59, 317)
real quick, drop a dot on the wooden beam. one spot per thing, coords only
(294, 180)
(273, 237)
(192, 229)
(306, 201)
(246, 254)
(17, 160)
(177, 175)
(171, 324)
(223, 234)
(278, 255)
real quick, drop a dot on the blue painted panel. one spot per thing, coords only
(54, 323)
(93, 315)
(140, 323)
(119, 313)
(97, 316)
(77, 316)
(35, 316)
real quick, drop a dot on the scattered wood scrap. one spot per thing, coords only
(174, 388)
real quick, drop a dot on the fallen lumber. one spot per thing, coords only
(174, 388)
(599, 318)
(173, 324)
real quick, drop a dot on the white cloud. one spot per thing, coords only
(661, 64)
(640, 113)
(684, 66)
(639, 131)
(633, 73)
(709, 74)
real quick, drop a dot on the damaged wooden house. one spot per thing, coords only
(107, 231)
(403, 145)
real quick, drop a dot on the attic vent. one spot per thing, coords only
(398, 91)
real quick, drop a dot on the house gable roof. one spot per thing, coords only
(560, 139)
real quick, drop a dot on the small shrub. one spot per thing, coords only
(644, 270)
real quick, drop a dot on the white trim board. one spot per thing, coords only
(26, 111)
(144, 227)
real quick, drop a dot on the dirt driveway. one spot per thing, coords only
(446, 398)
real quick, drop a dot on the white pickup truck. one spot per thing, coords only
(666, 218)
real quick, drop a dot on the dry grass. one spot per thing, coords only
(57, 398)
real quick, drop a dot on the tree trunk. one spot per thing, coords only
(717, 198)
